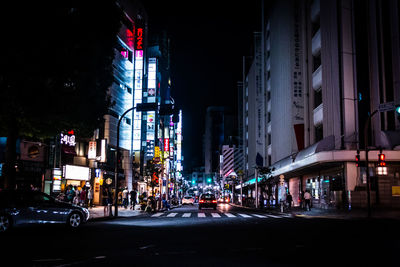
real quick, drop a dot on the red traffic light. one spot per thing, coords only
(381, 160)
(357, 160)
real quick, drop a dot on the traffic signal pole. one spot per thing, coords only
(366, 126)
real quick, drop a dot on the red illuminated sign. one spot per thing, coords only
(139, 39)
(166, 144)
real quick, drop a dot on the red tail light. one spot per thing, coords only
(201, 201)
(214, 201)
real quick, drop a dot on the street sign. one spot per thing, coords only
(388, 106)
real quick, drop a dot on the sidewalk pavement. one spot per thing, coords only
(376, 213)
(98, 212)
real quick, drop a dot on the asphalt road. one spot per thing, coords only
(185, 236)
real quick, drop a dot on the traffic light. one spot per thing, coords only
(194, 181)
(358, 158)
(381, 160)
(209, 180)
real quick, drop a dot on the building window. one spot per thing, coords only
(317, 97)
(128, 121)
(319, 133)
(316, 61)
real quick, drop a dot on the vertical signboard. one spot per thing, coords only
(138, 84)
(152, 80)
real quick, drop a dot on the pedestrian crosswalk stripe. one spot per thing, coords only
(215, 215)
(259, 216)
(186, 215)
(172, 214)
(158, 214)
(273, 216)
(201, 215)
(230, 215)
(244, 215)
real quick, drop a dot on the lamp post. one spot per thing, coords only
(139, 107)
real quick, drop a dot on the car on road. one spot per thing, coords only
(18, 207)
(207, 201)
(188, 200)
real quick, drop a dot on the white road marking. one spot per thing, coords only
(259, 215)
(230, 215)
(158, 214)
(186, 215)
(215, 215)
(173, 214)
(244, 215)
(201, 215)
(273, 216)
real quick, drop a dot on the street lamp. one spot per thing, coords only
(139, 107)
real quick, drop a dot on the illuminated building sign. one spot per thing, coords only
(137, 116)
(152, 80)
(77, 172)
(56, 180)
(92, 150)
(68, 139)
(139, 38)
(166, 144)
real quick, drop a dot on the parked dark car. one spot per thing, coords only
(34, 207)
(207, 201)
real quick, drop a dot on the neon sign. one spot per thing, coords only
(139, 39)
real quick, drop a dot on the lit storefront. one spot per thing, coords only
(76, 175)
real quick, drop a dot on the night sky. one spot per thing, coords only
(209, 39)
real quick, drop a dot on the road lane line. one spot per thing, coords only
(186, 215)
(230, 215)
(215, 215)
(201, 215)
(158, 214)
(244, 215)
(172, 214)
(259, 215)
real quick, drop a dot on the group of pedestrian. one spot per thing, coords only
(306, 200)
(81, 196)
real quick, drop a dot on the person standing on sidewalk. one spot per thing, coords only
(90, 197)
(307, 199)
(289, 200)
(133, 199)
(125, 198)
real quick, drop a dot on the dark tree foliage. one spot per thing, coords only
(55, 70)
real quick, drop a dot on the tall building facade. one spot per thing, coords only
(328, 65)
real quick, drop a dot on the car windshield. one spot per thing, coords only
(188, 197)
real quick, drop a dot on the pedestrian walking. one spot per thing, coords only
(120, 198)
(82, 197)
(289, 200)
(76, 197)
(70, 194)
(107, 201)
(125, 198)
(307, 199)
(90, 197)
(133, 199)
